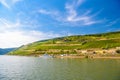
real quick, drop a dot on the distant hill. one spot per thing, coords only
(69, 44)
(5, 51)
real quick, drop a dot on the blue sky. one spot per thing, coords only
(26, 21)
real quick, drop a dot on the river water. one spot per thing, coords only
(35, 68)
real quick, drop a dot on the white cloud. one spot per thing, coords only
(12, 34)
(18, 24)
(51, 13)
(79, 2)
(18, 38)
(42, 11)
(13, 39)
(4, 3)
(113, 22)
(9, 25)
(9, 3)
(71, 12)
(72, 16)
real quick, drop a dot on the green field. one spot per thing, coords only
(69, 44)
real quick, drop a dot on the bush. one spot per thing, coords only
(118, 51)
(86, 56)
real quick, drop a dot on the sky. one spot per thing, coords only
(27, 21)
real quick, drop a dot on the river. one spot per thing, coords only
(35, 68)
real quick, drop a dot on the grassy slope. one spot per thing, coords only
(70, 43)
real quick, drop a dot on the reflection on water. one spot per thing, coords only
(32, 68)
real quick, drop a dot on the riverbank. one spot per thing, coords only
(93, 57)
(76, 56)
(83, 56)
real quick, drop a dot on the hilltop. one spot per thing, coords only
(76, 44)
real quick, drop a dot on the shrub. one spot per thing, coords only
(86, 56)
(118, 51)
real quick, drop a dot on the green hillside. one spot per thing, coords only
(70, 44)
